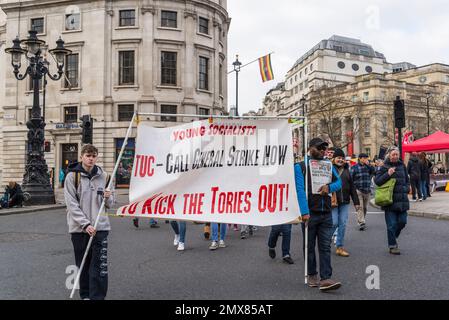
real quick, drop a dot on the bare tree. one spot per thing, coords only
(329, 106)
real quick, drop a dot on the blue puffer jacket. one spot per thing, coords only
(401, 202)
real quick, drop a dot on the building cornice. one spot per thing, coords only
(168, 41)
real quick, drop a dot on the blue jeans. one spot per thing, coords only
(286, 230)
(223, 227)
(321, 227)
(424, 189)
(396, 221)
(340, 218)
(180, 229)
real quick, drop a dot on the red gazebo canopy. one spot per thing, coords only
(435, 143)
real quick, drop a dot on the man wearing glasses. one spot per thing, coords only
(320, 221)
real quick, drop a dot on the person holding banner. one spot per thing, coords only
(286, 229)
(323, 180)
(215, 243)
(180, 234)
(84, 190)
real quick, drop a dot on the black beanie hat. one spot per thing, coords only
(339, 153)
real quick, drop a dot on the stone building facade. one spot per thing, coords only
(153, 56)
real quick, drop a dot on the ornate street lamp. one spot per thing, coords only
(237, 66)
(302, 102)
(36, 180)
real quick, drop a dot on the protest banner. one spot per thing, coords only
(228, 171)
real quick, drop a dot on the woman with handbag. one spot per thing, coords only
(341, 201)
(396, 211)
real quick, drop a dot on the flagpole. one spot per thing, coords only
(306, 233)
(242, 66)
(103, 204)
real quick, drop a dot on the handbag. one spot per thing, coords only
(384, 193)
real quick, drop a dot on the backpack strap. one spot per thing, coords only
(77, 183)
(108, 180)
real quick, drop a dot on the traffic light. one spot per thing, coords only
(87, 135)
(399, 113)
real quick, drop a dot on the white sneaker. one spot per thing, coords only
(176, 241)
(181, 246)
(213, 246)
(222, 244)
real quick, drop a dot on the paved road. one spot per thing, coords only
(35, 251)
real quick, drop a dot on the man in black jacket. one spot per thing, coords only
(320, 225)
(414, 171)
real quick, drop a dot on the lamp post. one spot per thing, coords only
(302, 102)
(36, 180)
(428, 96)
(237, 66)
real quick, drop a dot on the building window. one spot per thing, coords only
(220, 71)
(311, 67)
(71, 71)
(368, 152)
(72, 21)
(341, 65)
(338, 48)
(305, 71)
(300, 75)
(355, 67)
(354, 98)
(447, 78)
(383, 126)
(168, 68)
(204, 112)
(369, 69)
(37, 25)
(301, 86)
(41, 87)
(126, 67)
(367, 127)
(169, 19)
(203, 25)
(168, 109)
(364, 52)
(29, 114)
(125, 112)
(296, 77)
(365, 96)
(70, 114)
(306, 84)
(127, 18)
(204, 73)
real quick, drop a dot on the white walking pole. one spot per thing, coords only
(306, 233)
(125, 142)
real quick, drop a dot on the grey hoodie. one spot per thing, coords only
(83, 212)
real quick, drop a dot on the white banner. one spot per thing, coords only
(228, 171)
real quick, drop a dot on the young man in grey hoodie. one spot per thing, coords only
(84, 189)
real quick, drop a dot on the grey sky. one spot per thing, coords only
(415, 31)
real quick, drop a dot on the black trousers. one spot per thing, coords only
(16, 200)
(416, 188)
(94, 278)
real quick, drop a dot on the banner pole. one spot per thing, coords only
(103, 203)
(306, 233)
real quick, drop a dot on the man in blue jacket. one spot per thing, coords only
(320, 224)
